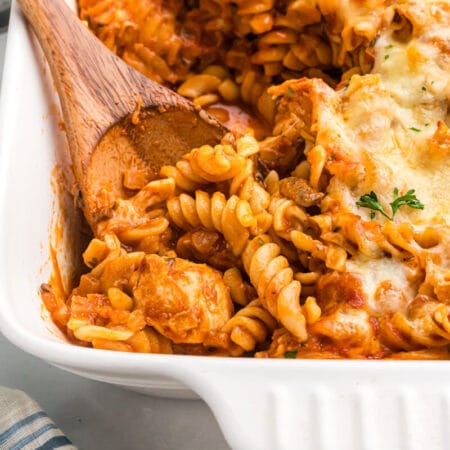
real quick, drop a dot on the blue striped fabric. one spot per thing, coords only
(24, 426)
(18, 425)
(55, 442)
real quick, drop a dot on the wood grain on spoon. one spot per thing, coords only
(98, 94)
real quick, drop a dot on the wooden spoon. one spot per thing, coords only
(99, 94)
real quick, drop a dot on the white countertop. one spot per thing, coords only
(97, 416)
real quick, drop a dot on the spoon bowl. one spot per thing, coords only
(116, 119)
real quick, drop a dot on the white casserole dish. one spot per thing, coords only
(259, 404)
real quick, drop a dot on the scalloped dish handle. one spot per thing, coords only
(301, 407)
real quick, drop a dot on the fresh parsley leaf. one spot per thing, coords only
(371, 202)
(292, 354)
(409, 199)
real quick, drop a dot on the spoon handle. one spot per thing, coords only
(84, 100)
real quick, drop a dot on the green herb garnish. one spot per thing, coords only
(386, 57)
(417, 130)
(409, 199)
(371, 202)
(424, 88)
(292, 354)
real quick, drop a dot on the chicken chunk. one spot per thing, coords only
(184, 301)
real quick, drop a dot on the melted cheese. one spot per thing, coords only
(375, 273)
(387, 123)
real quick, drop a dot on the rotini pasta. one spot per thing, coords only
(273, 279)
(231, 217)
(205, 165)
(249, 327)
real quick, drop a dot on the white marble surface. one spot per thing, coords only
(97, 416)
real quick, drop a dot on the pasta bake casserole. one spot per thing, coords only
(319, 226)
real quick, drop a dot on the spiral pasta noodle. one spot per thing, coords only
(207, 164)
(232, 217)
(241, 292)
(249, 326)
(274, 281)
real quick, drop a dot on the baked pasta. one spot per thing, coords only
(319, 226)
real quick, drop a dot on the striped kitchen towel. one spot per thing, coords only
(24, 426)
